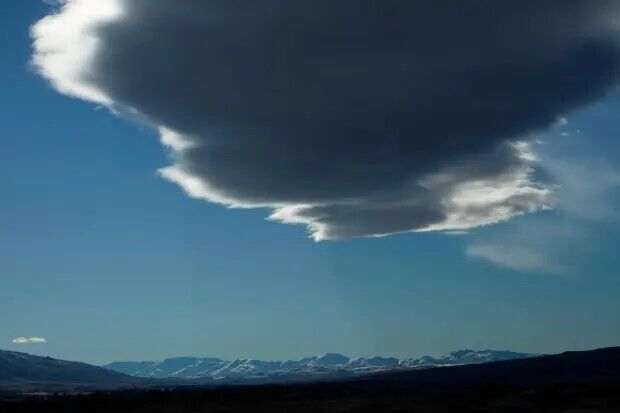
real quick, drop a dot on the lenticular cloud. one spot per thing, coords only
(355, 118)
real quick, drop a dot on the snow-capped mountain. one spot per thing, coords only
(330, 364)
(465, 357)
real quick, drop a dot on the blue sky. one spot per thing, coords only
(108, 261)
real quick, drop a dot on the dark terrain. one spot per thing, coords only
(574, 382)
(22, 372)
(567, 398)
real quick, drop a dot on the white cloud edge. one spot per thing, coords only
(583, 193)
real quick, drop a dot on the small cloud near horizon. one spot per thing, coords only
(29, 340)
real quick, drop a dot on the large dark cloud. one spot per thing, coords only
(356, 117)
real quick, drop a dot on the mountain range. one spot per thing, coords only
(23, 373)
(325, 366)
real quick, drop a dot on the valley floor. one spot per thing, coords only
(336, 397)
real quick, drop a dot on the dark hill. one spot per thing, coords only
(593, 366)
(24, 372)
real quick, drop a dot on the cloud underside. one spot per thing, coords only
(353, 118)
(29, 340)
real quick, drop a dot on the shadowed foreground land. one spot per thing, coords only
(585, 382)
(339, 398)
